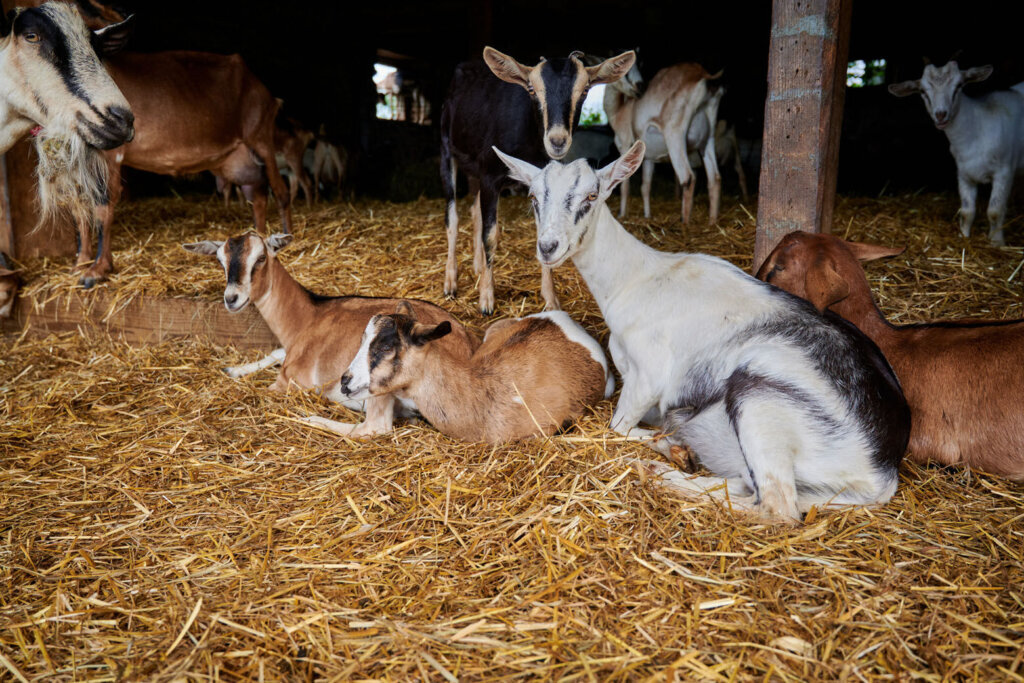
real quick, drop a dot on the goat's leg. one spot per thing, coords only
(263, 146)
(732, 491)
(84, 239)
(489, 236)
(257, 196)
(675, 141)
(102, 222)
(547, 289)
(769, 447)
(451, 219)
(645, 186)
(635, 401)
(476, 225)
(624, 198)
(276, 357)
(380, 419)
(305, 183)
(968, 196)
(1002, 184)
(710, 159)
(738, 166)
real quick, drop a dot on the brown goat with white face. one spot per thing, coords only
(963, 379)
(319, 335)
(529, 378)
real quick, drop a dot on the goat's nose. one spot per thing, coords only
(940, 115)
(547, 248)
(121, 116)
(558, 141)
(345, 379)
(230, 299)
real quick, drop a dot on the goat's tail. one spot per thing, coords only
(448, 170)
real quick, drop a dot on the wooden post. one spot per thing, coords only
(802, 119)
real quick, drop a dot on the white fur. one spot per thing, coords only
(986, 136)
(671, 313)
(359, 368)
(276, 357)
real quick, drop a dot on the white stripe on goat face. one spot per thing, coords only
(240, 256)
(356, 380)
(564, 201)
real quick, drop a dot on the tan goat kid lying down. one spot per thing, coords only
(319, 335)
(963, 379)
(530, 377)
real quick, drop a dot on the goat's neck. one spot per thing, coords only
(449, 394)
(860, 309)
(963, 130)
(286, 306)
(609, 257)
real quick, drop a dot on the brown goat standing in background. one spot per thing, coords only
(964, 380)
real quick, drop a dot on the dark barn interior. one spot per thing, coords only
(318, 56)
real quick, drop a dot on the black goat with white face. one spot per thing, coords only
(532, 110)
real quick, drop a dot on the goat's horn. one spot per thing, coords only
(576, 54)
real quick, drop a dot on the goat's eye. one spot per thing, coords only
(261, 259)
(592, 197)
(32, 37)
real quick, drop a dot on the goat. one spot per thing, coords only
(677, 112)
(530, 111)
(291, 139)
(330, 164)
(787, 407)
(319, 335)
(195, 111)
(986, 136)
(9, 282)
(530, 376)
(727, 150)
(51, 78)
(962, 378)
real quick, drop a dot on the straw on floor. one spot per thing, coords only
(160, 521)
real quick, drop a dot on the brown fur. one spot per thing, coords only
(194, 112)
(962, 379)
(526, 379)
(292, 145)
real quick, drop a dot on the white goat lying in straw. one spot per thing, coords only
(789, 408)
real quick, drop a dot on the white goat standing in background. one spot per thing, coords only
(986, 136)
(788, 408)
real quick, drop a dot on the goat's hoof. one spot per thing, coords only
(89, 281)
(451, 293)
(555, 305)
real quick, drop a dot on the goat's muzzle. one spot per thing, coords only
(115, 129)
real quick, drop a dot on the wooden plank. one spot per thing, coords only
(142, 320)
(802, 119)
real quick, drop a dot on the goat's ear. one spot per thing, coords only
(208, 247)
(6, 21)
(110, 40)
(870, 252)
(623, 167)
(905, 88)
(824, 285)
(506, 68)
(278, 241)
(421, 334)
(404, 308)
(977, 73)
(611, 69)
(518, 169)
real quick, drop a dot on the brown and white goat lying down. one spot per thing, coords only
(529, 378)
(964, 380)
(319, 335)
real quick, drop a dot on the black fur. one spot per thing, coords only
(482, 110)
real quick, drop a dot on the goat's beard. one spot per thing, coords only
(72, 177)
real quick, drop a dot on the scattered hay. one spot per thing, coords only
(161, 521)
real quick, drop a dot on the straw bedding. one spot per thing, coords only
(161, 521)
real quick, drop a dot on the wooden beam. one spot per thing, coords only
(803, 116)
(142, 320)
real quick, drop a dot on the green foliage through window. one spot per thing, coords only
(860, 73)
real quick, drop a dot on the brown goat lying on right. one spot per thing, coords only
(964, 380)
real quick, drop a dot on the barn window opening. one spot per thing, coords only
(399, 96)
(593, 108)
(861, 73)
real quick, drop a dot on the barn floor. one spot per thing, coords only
(161, 521)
